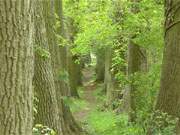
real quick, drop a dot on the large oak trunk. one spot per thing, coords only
(44, 86)
(16, 70)
(169, 95)
(69, 126)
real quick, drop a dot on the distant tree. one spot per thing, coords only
(112, 85)
(100, 65)
(74, 71)
(109, 77)
(135, 59)
(74, 60)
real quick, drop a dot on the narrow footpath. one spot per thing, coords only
(89, 86)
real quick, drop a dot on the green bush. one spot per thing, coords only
(163, 124)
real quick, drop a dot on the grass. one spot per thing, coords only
(108, 123)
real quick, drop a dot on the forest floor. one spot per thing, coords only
(89, 87)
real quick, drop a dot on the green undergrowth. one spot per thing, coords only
(39, 129)
(108, 123)
(77, 104)
(99, 94)
(104, 121)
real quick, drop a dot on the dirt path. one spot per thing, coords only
(89, 87)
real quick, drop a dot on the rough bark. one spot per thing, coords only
(69, 126)
(169, 96)
(16, 70)
(44, 86)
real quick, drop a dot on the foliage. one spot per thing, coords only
(35, 104)
(98, 93)
(162, 123)
(42, 52)
(108, 123)
(42, 130)
(75, 104)
(64, 76)
(145, 25)
(103, 23)
(94, 24)
(147, 85)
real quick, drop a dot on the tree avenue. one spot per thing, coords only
(89, 67)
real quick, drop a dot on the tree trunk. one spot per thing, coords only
(74, 61)
(16, 70)
(100, 65)
(108, 79)
(44, 86)
(69, 126)
(136, 63)
(57, 49)
(169, 96)
(134, 66)
(86, 60)
(112, 86)
(73, 69)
